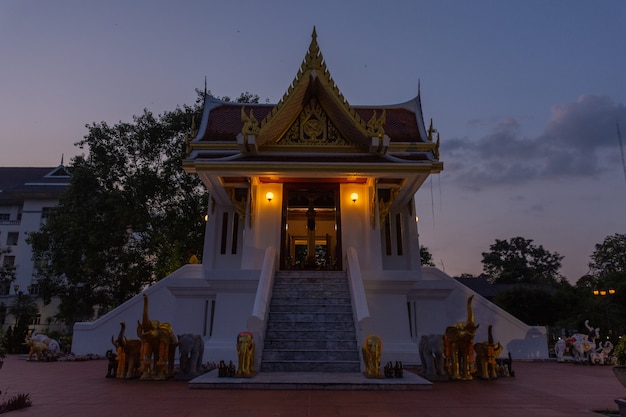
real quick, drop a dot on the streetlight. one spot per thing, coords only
(605, 293)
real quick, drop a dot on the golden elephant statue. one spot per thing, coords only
(128, 354)
(486, 355)
(158, 347)
(35, 347)
(459, 341)
(245, 354)
(371, 349)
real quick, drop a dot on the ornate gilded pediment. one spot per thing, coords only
(312, 127)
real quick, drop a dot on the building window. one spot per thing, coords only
(35, 320)
(5, 287)
(33, 289)
(46, 212)
(5, 217)
(12, 238)
(9, 261)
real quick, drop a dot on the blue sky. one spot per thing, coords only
(526, 95)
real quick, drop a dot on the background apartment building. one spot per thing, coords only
(27, 195)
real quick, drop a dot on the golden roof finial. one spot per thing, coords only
(250, 123)
(431, 131)
(313, 59)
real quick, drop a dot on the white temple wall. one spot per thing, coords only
(356, 227)
(265, 230)
(521, 340)
(95, 337)
(232, 310)
(403, 251)
(390, 322)
(221, 235)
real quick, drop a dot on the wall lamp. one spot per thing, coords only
(269, 195)
(354, 197)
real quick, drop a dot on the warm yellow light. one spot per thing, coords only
(596, 292)
(269, 195)
(417, 219)
(602, 292)
(611, 292)
(354, 197)
(206, 217)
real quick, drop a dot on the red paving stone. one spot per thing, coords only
(538, 389)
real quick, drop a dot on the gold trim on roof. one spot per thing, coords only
(250, 123)
(375, 126)
(312, 71)
(312, 127)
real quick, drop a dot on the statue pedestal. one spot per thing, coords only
(621, 406)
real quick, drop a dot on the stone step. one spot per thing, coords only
(311, 344)
(310, 355)
(319, 326)
(289, 286)
(310, 326)
(311, 308)
(312, 294)
(322, 316)
(310, 366)
(295, 301)
(310, 274)
(310, 334)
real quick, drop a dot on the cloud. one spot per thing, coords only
(579, 140)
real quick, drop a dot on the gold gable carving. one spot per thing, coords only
(284, 124)
(312, 127)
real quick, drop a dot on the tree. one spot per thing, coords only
(426, 257)
(607, 271)
(609, 256)
(85, 249)
(23, 308)
(553, 306)
(7, 272)
(530, 305)
(519, 261)
(129, 217)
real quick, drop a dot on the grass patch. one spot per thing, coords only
(17, 402)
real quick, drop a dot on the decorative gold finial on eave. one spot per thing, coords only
(375, 125)
(431, 131)
(194, 129)
(250, 123)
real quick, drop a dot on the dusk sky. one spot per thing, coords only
(526, 95)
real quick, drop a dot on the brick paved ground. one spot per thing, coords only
(80, 389)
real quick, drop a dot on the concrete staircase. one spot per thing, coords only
(310, 326)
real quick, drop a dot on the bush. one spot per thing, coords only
(620, 351)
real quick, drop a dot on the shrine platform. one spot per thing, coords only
(311, 381)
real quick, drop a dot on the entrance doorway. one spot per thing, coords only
(311, 237)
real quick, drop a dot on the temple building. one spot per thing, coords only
(312, 237)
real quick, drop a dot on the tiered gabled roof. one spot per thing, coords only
(312, 128)
(313, 82)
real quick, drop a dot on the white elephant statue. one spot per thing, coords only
(191, 348)
(432, 354)
(580, 345)
(53, 345)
